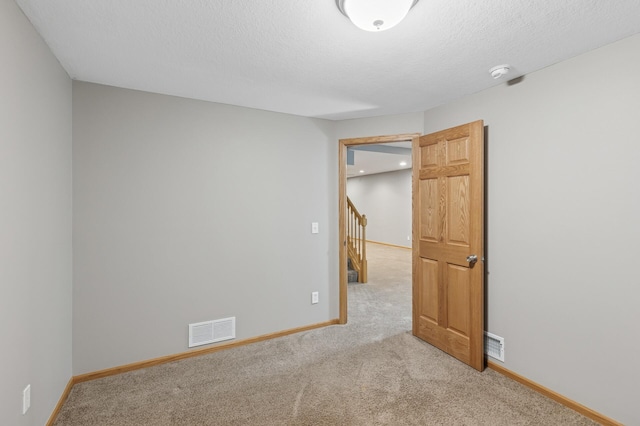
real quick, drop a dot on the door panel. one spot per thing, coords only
(429, 295)
(458, 210)
(449, 227)
(458, 299)
(430, 155)
(429, 225)
(457, 151)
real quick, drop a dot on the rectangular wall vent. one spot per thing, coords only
(203, 333)
(494, 346)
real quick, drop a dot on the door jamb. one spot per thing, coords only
(342, 203)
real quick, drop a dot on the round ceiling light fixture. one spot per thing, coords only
(499, 70)
(375, 15)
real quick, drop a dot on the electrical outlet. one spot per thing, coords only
(314, 228)
(314, 297)
(26, 399)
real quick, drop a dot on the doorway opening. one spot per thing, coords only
(355, 144)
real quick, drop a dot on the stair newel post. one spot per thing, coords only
(364, 249)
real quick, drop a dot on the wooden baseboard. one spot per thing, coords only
(63, 398)
(193, 353)
(170, 358)
(585, 411)
(388, 244)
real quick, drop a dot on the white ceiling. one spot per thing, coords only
(304, 57)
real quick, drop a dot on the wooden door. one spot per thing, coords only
(448, 227)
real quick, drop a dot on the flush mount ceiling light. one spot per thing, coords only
(375, 15)
(499, 70)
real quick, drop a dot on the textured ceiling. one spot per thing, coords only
(304, 57)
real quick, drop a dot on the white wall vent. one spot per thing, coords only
(494, 346)
(203, 333)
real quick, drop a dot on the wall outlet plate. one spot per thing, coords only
(314, 297)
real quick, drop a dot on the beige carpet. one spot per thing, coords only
(369, 372)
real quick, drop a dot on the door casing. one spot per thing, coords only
(342, 204)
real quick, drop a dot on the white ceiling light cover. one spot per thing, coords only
(376, 15)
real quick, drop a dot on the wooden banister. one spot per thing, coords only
(356, 240)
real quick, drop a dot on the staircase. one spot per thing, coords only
(356, 244)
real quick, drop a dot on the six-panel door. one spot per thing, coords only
(448, 211)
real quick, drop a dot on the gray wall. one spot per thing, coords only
(187, 211)
(386, 200)
(378, 126)
(35, 222)
(564, 203)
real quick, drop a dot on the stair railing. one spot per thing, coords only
(356, 240)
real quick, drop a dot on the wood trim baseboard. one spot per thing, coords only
(388, 244)
(193, 353)
(176, 357)
(585, 411)
(61, 401)
(569, 403)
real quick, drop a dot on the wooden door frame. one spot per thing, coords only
(342, 203)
